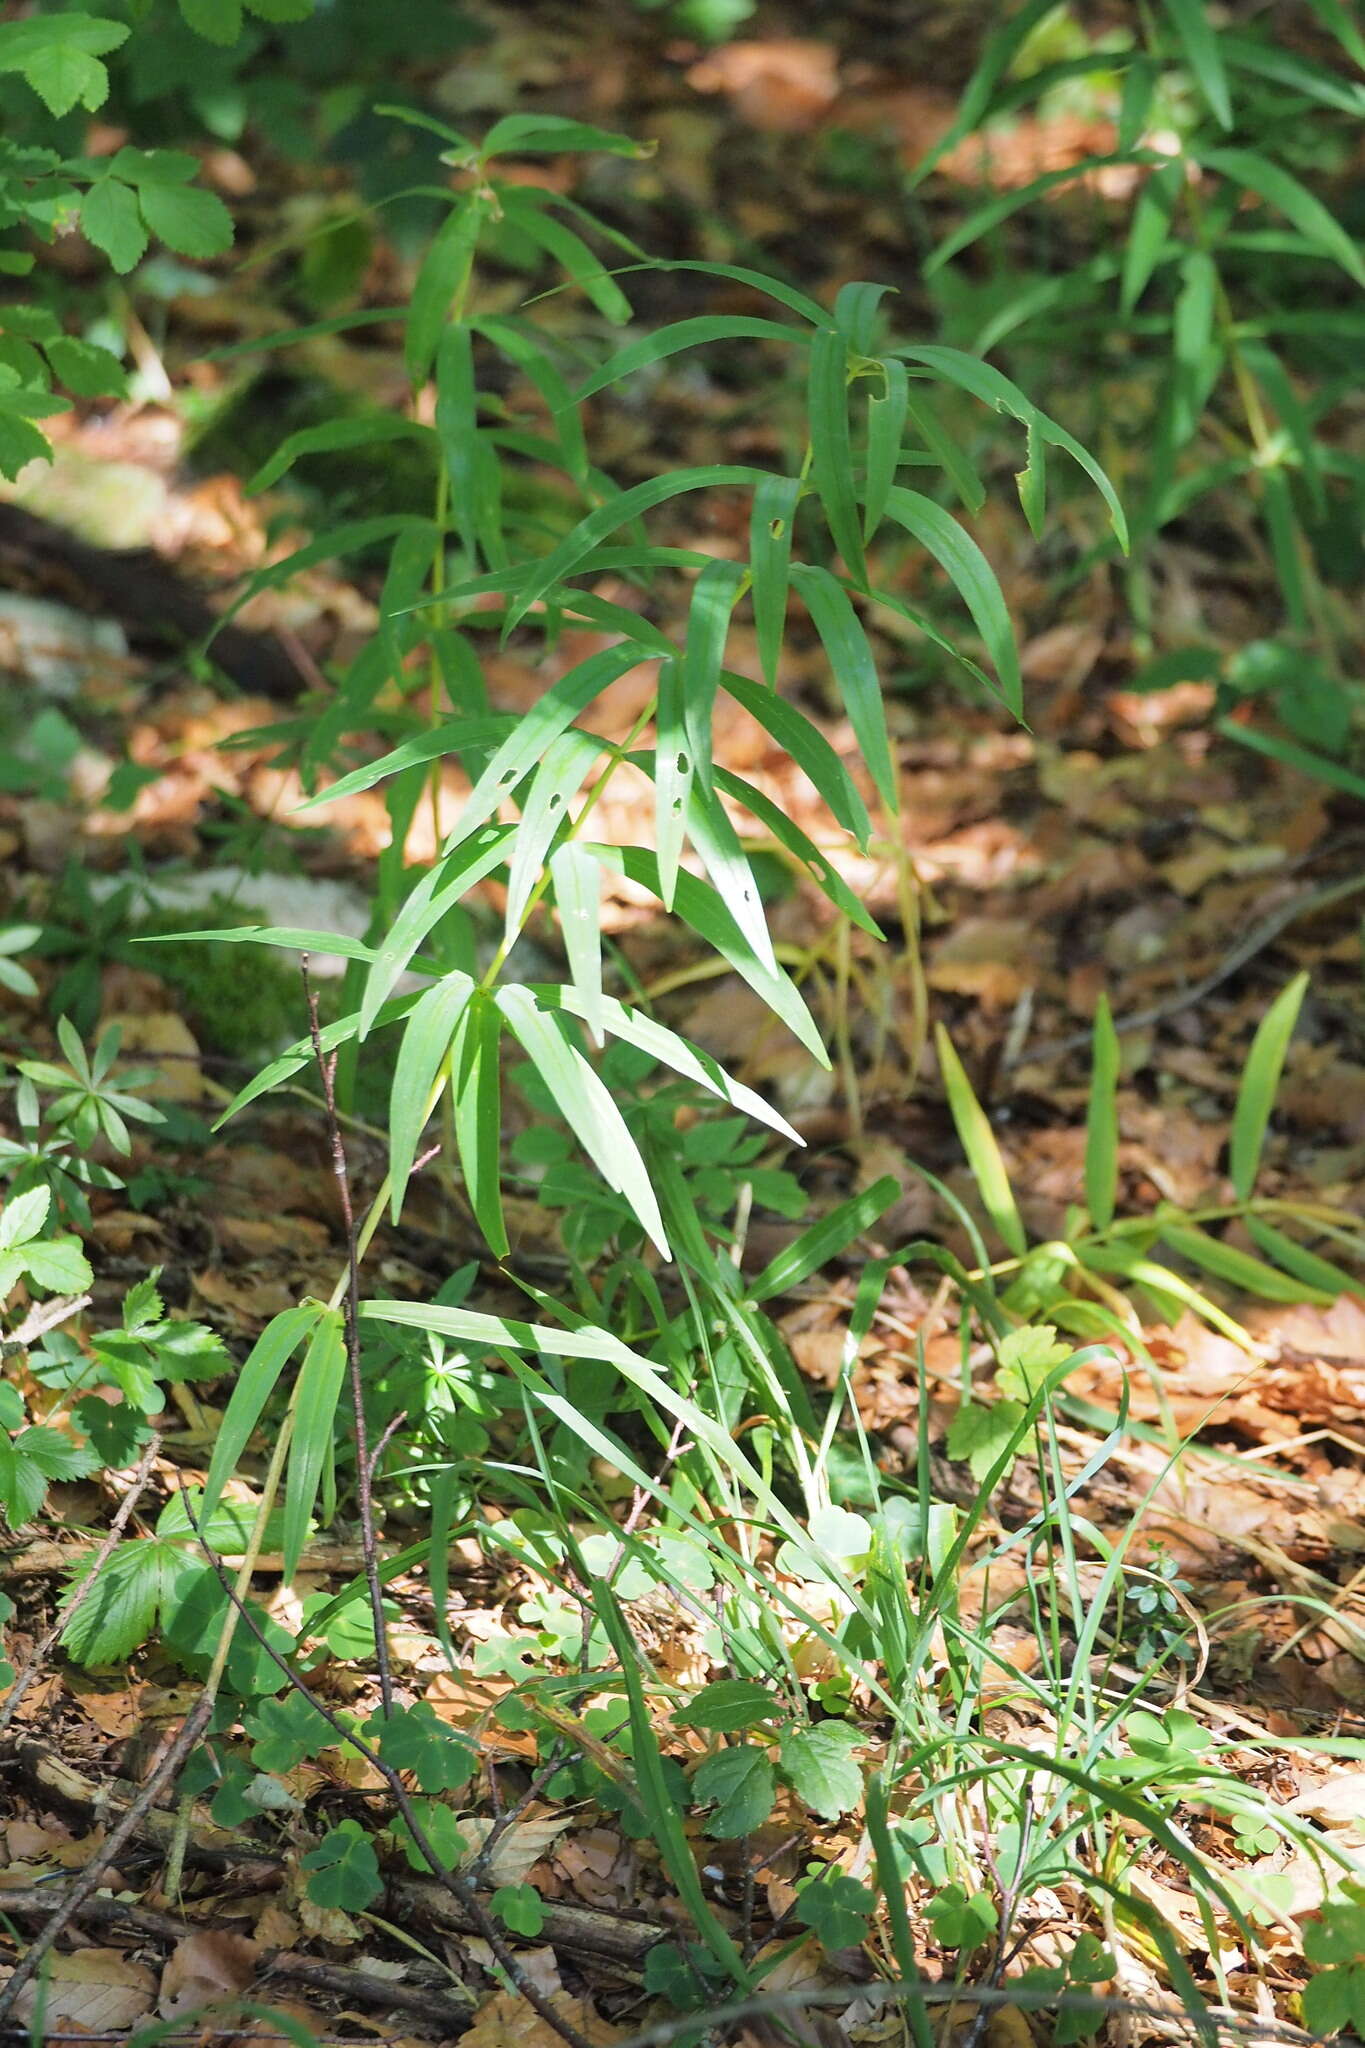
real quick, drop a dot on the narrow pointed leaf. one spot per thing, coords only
(578, 898)
(533, 732)
(331, 435)
(1271, 182)
(855, 673)
(1102, 1123)
(886, 415)
(459, 735)
(1292, 1257)
(562, 561)
(709, 916)
(254, 1385)
(1237, 1268)
(855, 313)
(568, 250)
(476, 1096)
(426, 1042)
(832, 446)
(945, 451)
(1194, 26)
(810, 750)
(439, 890)
(445, 268)
(586, 1107)
(1259, 1084)
(789, 834)
(565, 763)
(971, 576)
(983, 1153)
(674, 768)
(1149, 230)
(310, 1453)
(671, 1051)
(825, 1240)
(678, 335)
(770, 545)
(717, 842)
(472, 1326)
(708, 628)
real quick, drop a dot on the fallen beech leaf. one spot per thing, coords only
(507, 2021)
(208, 1965)
(94, 1988)
(518, 1849)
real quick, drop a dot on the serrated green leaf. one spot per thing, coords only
(1260, 1083)
(980, 1434)
(743, 1787)
(818, 1763)
(728, 1706)
(187, 219)
(134, 1588)
(59, 58)
(112, 220)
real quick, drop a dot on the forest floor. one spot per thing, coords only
(1116, 843)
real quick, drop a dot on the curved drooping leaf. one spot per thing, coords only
(971, 576)
(426, 1044)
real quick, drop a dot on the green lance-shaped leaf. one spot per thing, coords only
(978, 1142)
(709, 916)
(1271, 182)
(1149, 230)
(674, 769)
(770, 546)
(585, 1105)
(530, 213)
(562, 561)
(1001, 47)
(577, 879)
(944, 449)
(855, 671)
(708, 628)
(1102, 1121)
(1259, 1084)
(1237, 1268)
(678, 335)
(439, 890)
(679, 1054)
(812, 857)
(832, 446)
(535, 134)
(717, 842)
(426, 1043)
(1199, 39)
(993, 388)
(810, 750)
(476, 1095)
(886, 415)
(566, 761)
(310, 1453)
(276, 1344)
(445, 269)
(971, 576)
(368, 431)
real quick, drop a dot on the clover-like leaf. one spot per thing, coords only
(344, 1870)
(415, 1739)
(837, 1909)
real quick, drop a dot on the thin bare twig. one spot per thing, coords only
(365, 1465)
(66, 1615)
(42, 1317)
